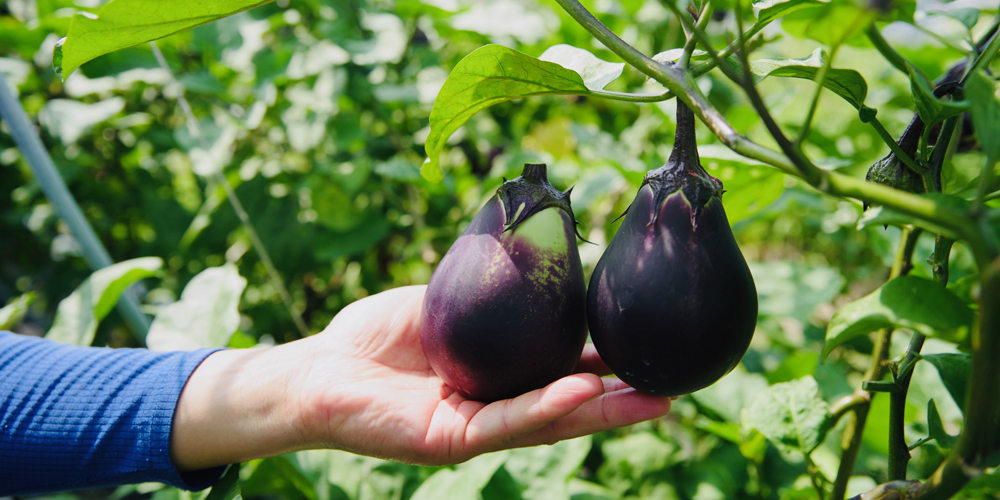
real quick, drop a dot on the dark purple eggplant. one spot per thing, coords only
(891, 171)
(672, 305)
(504, 311)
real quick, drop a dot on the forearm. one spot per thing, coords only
(238, 405)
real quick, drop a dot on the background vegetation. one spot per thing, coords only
(318, 111)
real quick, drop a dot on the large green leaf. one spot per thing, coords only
(464, 482)
(543, 472)
(846, 83)
(791, 415)
(911, 302)
(14, 312)
(980, 91)
(489, 75)
(629, 459)
(955, 370)
(931, 109)
(78, 315)
(206, 316)
(124, 23)
(596, 73)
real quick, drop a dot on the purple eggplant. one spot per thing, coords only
(672, 305)
(504, 311)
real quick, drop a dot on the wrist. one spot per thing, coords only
(237, 406)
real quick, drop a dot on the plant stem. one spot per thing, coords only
(52, 184)
(820, 78)
(241, 213)
(691, 42)
(981, 437)
(895, 147)
(940, 151)
(889, 53)
(629, 97)
(984, 58)
(851, 444)
(899, 454)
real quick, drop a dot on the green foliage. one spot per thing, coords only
(931, 108)
(846, 83)
(206, 315)
(78, 315)
(791, 415)
(909, 302)
(491, 75)
(125, 23)
(12, 313)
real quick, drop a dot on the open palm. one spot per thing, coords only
(370, 390)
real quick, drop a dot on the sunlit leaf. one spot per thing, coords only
(931, 109)
(489, 75)
(596, 73)
(78, 315)
(205, 316)
(543, 472)
(466, 481)
(846, 83)
(968, 16)
(12, 313)
(790, 415)
(910, 302)
(769, 10)
(124, 23)
(955, 370)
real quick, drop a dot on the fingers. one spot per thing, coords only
(591, 362)
(501, 423)
(611, 410)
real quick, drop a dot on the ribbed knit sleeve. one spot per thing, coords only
(83, 417)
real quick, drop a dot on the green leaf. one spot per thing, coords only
(723, 399)
(769, 10)
(124, 23)
(846, 83)
(911, 302)
(955, 370)
(596, 73)
(489, 75)
(462, 483)
(543, 472)
(794, 289)
(790, 415)
(206, 315)
(228, 486)
(968, 16)
(931, 109)
(628, 459)
(78, 315)
(936, 428)
(12, 314)
(750, 188)
(980, 92)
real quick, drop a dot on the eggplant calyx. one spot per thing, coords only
(683, 171)
(531, 193)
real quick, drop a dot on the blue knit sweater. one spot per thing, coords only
(84, 417)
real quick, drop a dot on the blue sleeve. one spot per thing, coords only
(84, 417)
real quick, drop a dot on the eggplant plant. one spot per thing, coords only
(672, 305)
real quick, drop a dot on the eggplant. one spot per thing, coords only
(891, 171)
(504, 312)
(672, 305)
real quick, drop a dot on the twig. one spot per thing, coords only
(883, 47)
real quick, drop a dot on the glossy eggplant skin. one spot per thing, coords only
(504, 311)
(672, 305)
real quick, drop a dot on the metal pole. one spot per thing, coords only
(58, 194)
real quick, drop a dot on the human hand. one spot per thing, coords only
(364, 385)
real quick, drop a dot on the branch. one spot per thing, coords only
(890, 54)
(851, 444)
